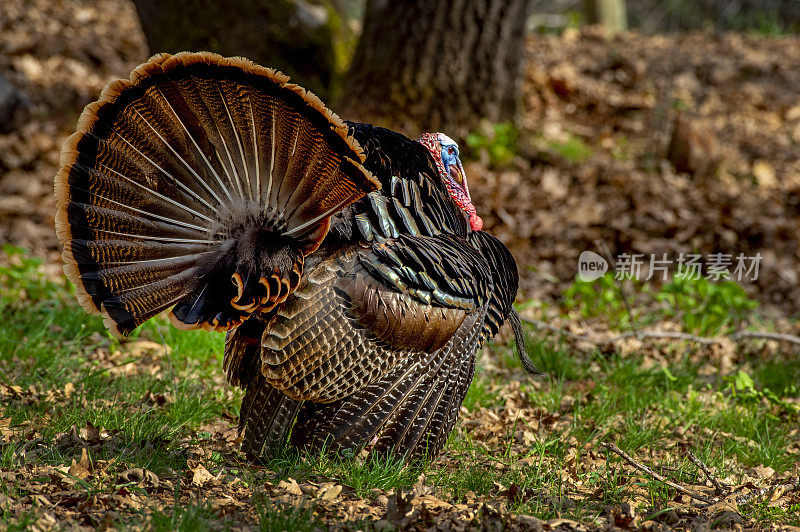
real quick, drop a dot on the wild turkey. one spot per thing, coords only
(345, 261)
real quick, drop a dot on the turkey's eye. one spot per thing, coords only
(451, 150)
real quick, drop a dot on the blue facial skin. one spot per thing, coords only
(450, 156)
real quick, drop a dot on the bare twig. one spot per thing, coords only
(641, 467)
(672, 335)
(719, 490)
(764, 335)
(739, 336)
(633, 334)
(544, 325)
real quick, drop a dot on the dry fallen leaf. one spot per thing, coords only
(765, 174)
(291, 486)
(6, 502)
(90, 433)
(138, 475)
(399, 505)
(200, 475)
(141, 348)
(81, 469)
(5, 429)
(329, 491)
(763, 472)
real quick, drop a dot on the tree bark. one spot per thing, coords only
(437, 65)
(290, 35)
(612, 14)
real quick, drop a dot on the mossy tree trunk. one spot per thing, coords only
(423, 65)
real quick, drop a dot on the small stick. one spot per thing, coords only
(544, 325)
(673, 335)
(764, 335)
(699, 463)
(644, 468)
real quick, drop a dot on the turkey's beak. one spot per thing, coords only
(459, 176)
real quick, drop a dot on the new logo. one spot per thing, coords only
(591, 266)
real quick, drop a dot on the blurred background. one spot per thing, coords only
(660, 126)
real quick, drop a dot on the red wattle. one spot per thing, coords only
(476, 222)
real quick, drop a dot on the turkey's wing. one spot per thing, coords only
(414, 292)
(363, 311)
(408, 411)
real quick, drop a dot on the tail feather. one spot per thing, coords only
(125, 310)
(117, 220)
(200, 184)
(109, 186)
(126, 277)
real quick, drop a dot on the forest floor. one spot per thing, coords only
(142, 434)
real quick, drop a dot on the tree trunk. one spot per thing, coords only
(610, 13)
(290, 35)
(436, 65)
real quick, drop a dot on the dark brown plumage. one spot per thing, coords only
(353, 290)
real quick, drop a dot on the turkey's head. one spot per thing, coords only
(445, 153)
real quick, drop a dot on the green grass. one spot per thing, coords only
(153, 399)
(47, 343)
(183, 519)
(643, 411)
(701, 306)
(572, 150)
(498, 141)
(274, 517)
(363, 475)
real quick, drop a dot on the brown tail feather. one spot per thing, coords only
(201, 184)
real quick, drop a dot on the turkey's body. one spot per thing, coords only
(353, 290)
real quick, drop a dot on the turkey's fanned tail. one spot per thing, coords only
(201, 184)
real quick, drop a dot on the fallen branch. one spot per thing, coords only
(641, 467)
(699, 463)
(544, 325)
(671, 335)
(739, 336)
(764, 335)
